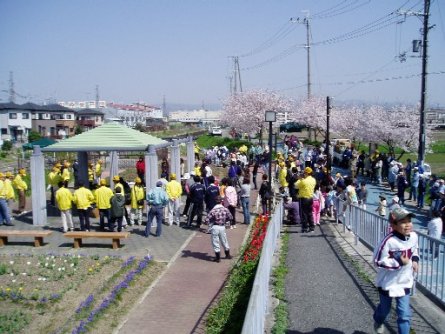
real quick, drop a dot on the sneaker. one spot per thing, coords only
(234, 226)
(379, 328)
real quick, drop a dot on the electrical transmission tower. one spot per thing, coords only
(235, 81)
(11, 87)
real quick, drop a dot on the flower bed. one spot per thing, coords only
(228, 314)
(66, 294)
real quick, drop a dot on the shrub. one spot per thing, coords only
(7, 145)
(33, 136)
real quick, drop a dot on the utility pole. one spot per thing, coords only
(97, 96)
(164, 107)
(328, 115)
(308, 52)
(306, 22)
(422, 131)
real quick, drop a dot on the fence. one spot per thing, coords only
(370, 228)
(259, 297)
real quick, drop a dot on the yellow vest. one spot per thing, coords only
(83, 198)
(19, 184)
(64, 199)
(137, 193)
(103, 196)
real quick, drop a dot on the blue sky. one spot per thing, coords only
(142, 50)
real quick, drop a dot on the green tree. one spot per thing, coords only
(33, 136)
(7, 145)
(78, 130)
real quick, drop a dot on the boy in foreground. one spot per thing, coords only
(396, 259)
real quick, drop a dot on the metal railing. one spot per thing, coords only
(369, 228)
(259, 297)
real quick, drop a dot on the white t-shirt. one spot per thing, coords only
(435, 228)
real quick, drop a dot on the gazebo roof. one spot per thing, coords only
(108, 137)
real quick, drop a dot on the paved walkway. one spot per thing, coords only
(327, 294)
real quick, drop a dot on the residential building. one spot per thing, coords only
(15, 122)
(195, 116)
(89, 119)
(54, 121)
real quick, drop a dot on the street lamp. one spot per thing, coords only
(271, 117)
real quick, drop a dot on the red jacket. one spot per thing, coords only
(140, 166)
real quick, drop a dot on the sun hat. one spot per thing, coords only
(116, 178)
(159, 184)
(103, 182)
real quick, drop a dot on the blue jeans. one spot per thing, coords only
(4, 212)
(403, 312)
(158, 212)
(104, 213)
(246, 212)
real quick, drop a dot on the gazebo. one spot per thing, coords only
(112, 138)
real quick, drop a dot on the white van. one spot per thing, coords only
(215, 131)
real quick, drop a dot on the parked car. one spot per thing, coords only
(291, 127)
(215, 131)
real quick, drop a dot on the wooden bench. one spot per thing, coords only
(79, 235)
(37, 234)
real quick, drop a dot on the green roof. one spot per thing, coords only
(108, 137)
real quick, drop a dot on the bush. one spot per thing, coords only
(7, 145)
(33, 136)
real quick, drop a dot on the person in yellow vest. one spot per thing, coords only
(5, 217)
(197, 169)
(54, 178)
(103, 196)
(306, 187)
(282, 177)
(137, 202)
(10, 194)
(21, 187)
(64, 199)
(66, 175)
(83, 198)
(98, 171)
(90, 175)
(174, 192)
(196, 149)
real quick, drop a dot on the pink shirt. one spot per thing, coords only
(231, 197)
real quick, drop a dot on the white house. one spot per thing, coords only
(15, 122)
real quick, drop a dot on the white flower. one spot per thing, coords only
(12, 274)
(13, 281)
(11, 262)
(43, 279)
(47, 259)
(63, 268)
(72, 265)
(28, 263)
(53, 257)
(59, 269)
(65, 260)
(24, 274)
(53, 265)
(78, 256)
(46, 264)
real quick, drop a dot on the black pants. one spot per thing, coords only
(112, 224)
(84, 217)
(196, 210)
(233, 212)
(307, 219)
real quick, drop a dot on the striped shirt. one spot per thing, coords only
(219, 215)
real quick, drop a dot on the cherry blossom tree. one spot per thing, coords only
(245, 112)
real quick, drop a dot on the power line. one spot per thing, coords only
(342, 10)
(285, 30)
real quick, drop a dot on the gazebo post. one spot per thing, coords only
(190, 154)
(175, 159)
(151, 168)
(82, 158)
(38, 198)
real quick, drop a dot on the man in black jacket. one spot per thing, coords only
(197, 192)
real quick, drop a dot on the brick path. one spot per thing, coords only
(179, 300)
